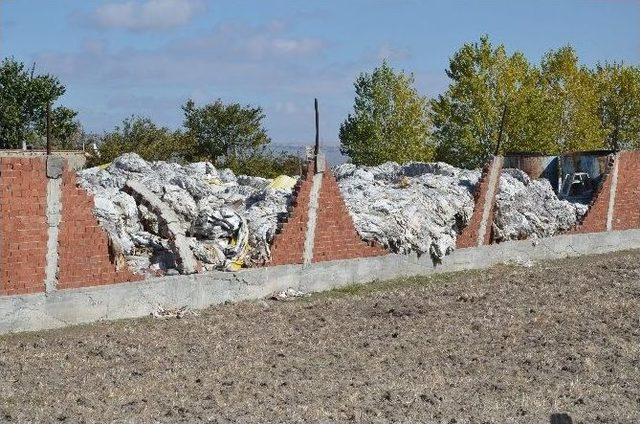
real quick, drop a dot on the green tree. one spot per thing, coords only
(223, 133)
(571, 95)
(619, 104)
(268, 164)
(141, 136)
(390, 120)
(65, 128)
(487, 83)
(557, 107)
(23, 102)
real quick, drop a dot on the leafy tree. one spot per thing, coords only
(153, 142)
(268, 164)
(142, 136)
(390, 120)
(557, 107)
(619, 104)
(65, 129)
(524, 125)
(487, 83)
(571, 97)
(225, 133)
(23, 102)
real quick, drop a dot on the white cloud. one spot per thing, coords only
(287, 107)
(147, 15)
(268, 65)
(389, 52)
(242, 43)
(256, 58)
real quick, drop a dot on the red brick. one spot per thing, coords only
(84, 255)
(23, 225)
(596, 218)
(626, 211)
(335, 234)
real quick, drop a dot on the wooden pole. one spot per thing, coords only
(504, 117)
(49, 128)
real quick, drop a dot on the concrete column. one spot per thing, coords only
(55, 166)
(309, 239)
(612, 191)
(494, 179)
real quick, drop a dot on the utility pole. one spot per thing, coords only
(316, 149)
(504, 117)
(49, 128)
(317, 146)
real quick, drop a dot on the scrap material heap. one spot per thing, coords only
(229, 221)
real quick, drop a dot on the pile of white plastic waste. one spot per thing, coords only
(422, 207)
(417, 207)
(228, 220)
(527, 208)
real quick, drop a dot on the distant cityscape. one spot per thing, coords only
(332, 151)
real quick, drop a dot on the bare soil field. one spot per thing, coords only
(511, 344)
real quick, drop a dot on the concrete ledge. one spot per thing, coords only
(136, 299)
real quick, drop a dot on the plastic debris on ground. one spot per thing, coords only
(229, 220)
(177, 313)
(527, 208)
(288, 294)
(412, 208)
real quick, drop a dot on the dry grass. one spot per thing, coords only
(510, 344)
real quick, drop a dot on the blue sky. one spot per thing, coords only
(123, 57)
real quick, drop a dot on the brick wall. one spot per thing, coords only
(23, 225)
(469, 235)
(83, 245)
(336, 236)
(287, 246)
(595, 220)
(83, 252)
(626, 213)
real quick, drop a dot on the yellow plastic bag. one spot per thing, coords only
(283, 182)
(235, 265)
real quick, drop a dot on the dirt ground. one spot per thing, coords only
(512, 344)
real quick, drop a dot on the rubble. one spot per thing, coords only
(226, 220)
(527, 208)
(168, 226)
(417, 207)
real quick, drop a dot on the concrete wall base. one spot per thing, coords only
(136, 299)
